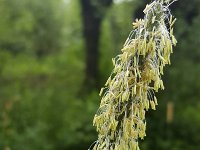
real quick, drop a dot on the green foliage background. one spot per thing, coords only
(42, 61)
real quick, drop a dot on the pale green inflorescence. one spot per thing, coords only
(129, 91)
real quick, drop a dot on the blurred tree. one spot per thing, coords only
(33, 27)
(93, 11)
(42, 91)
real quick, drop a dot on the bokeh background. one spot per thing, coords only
(56, 54)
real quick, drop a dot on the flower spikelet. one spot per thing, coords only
(130, 90)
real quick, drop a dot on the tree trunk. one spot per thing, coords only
(92, 14)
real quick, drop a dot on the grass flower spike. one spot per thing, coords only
(130, 90)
